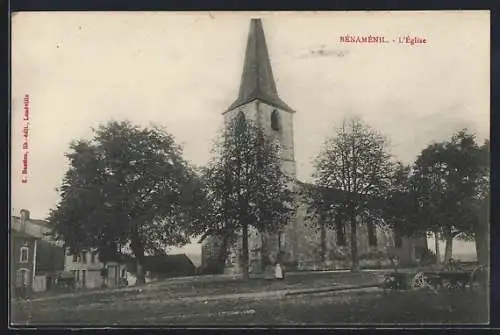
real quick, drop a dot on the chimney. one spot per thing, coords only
(25, 215)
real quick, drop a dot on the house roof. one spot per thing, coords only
(37, 222)
(41, 223)
(195, 259)
(165, 263)
(257, 80)
(20, 234)
(334, 194)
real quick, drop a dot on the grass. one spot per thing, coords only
(196, 302)
(218, 285)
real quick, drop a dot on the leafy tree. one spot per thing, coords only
(353, 170)
(400, 208)
(49, 257)
(428, 185)
(451, 183)
(470, 184)
(245, 187)
(127, 186)
(481, 226)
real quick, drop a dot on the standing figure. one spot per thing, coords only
(278, 272)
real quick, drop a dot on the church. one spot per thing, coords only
(301, 245)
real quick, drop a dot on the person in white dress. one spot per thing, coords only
(278, 271)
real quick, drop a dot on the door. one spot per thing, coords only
(23, 278)
(111, 275)
(84, 278)
(77, 279)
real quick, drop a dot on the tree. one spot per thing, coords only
(469, 178)
(428, 185)
(245, 186)
(481, 226)
(127, 186)
(451, 179)
(356, 164)
(400, 208)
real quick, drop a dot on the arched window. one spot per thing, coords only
(372, 235)
(241, 115)
(340, 231)
(275, 120)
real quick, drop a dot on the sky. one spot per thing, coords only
(182, 70)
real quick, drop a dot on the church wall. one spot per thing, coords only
(260, 112)
(308, 246)
(301, 241)
(302, 248)
(249, 109)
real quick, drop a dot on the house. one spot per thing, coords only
(38, 228)
(35, 257)
(298, 245)
(48, 263)
(89, 272)
(22, 262)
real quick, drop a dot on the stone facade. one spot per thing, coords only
(306, 247)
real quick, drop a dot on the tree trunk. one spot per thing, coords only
(222, 256)
(354, 242)
(244, 254)
(138, 249)
(482, 243)
(323, 242)
(436, 243)
(448, 250)
(264, 258)
(394, 263)
(141, 279)
(104, 275)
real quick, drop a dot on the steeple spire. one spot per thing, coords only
(257, 81)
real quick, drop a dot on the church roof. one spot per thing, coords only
(257, 81)
(333, 194)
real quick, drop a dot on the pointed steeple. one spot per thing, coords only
(257, 81)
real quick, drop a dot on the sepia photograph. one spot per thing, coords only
(249, 169)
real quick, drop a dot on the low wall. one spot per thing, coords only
(40, 284)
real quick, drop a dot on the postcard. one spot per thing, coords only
(249, 168)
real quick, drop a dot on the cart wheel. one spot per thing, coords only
(419, 280)
(448, 285)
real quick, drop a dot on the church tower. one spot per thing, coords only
(259, 101)
(298, 245)
(258, 98)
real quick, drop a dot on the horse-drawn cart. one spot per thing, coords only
(434, 280)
